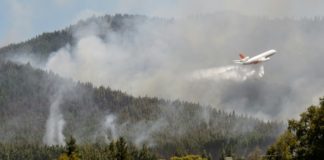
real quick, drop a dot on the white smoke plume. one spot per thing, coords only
(143, 132)
(109, 128)
(55, 124)
(169, 121)
(139, 133)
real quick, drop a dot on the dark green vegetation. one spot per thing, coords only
(115, 150)
(169, 127)
(40, 46)
(189, 157)
(304, 138)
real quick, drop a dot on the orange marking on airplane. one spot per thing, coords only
(242, 56)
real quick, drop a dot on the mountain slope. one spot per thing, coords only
(40, 47)
(98, 114)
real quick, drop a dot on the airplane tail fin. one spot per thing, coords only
(242, 59)
(242, 56)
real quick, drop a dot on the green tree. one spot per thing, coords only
(283, 148)
(145, 154)
(71, 152)
(304, 138)
(309, 131)
(206, 155)
(122, 150)
(112, 150)
(255, 154)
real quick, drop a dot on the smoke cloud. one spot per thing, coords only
(191, 59)
(55, 124)
(182, 8)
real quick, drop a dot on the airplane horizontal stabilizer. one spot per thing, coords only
(238, 61)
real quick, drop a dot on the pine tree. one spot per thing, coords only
(112, 150)
(145, 154)
(71, 152)
(122, 150)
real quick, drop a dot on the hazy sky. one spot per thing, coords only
(23, 19)
(156, 66)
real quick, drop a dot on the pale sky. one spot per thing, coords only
(23, 19)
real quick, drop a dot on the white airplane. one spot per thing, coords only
(265, 56)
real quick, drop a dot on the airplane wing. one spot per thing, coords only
(264, 59)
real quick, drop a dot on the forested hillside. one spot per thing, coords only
(99, 115)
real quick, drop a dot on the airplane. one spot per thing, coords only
(265, 56)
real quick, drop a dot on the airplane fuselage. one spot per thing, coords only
(265, 56)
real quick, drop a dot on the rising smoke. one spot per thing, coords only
(109, 128)
(181, 60)
(55, 124)
(139, 133)
(170, 121)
